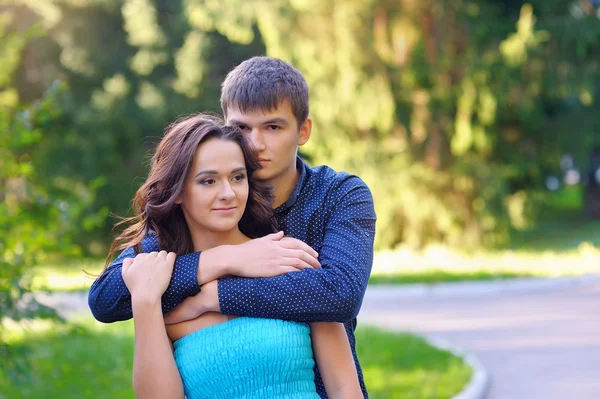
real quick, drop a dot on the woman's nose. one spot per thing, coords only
(226, 192)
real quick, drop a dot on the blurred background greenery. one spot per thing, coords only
(472, 121)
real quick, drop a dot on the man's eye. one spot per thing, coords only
(273, 127)
(239, 177)
(243, 127)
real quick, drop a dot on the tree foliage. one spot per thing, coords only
(38, 216)
(453, 112)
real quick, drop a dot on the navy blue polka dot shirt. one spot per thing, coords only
(333, 212)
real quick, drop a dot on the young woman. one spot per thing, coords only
(200, 194)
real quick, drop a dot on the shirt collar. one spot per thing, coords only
(301, 166)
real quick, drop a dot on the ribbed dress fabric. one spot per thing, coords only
(247, 358)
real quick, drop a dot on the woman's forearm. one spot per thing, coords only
(334, 357)
(155, 373)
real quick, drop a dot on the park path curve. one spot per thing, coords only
(535, 344)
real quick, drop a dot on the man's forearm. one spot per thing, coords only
(110, 301)
(311, 295)
(213, 264)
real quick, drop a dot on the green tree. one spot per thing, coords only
(449, 110)
(37, 215)
(453, 112)
(132, 67)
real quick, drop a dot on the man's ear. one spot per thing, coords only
(305, 131)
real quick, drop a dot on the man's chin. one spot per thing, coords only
(262, 175)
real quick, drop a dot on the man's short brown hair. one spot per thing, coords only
(263, 83)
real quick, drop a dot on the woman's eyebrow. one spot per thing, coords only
(214, 172)
(206, 172)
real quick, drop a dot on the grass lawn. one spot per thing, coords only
(405, 366)
(68, 277)
(569, 246)
(93, 360)
(434, 276)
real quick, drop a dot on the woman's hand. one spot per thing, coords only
(148, 275)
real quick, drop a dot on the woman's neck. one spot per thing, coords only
(204, 240)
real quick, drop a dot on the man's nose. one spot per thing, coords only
(258, 139)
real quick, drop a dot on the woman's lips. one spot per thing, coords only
(225, 211)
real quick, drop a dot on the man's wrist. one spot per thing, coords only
(214, 263)
(210, 297)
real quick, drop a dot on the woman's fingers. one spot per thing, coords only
(127, 262)
(171, 256)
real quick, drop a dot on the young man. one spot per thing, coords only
(328, 211)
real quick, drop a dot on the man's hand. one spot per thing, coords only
(205, 301)
(273, 255)
(148, 275)
(267, 256)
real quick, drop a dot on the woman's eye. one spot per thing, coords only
(207, 182)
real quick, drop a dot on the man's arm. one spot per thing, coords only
(332, 293)
(110, 300)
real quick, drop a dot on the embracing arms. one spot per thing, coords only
(110, 300)
(332, 293)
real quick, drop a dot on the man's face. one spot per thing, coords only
(275, 136)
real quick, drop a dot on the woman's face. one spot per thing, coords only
(216, 187)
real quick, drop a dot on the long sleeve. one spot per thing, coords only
(110, 300)
(332, 293)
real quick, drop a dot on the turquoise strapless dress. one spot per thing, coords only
(247, 358)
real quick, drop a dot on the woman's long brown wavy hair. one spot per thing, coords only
(155, 210)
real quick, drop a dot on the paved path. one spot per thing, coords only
(544, 344)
